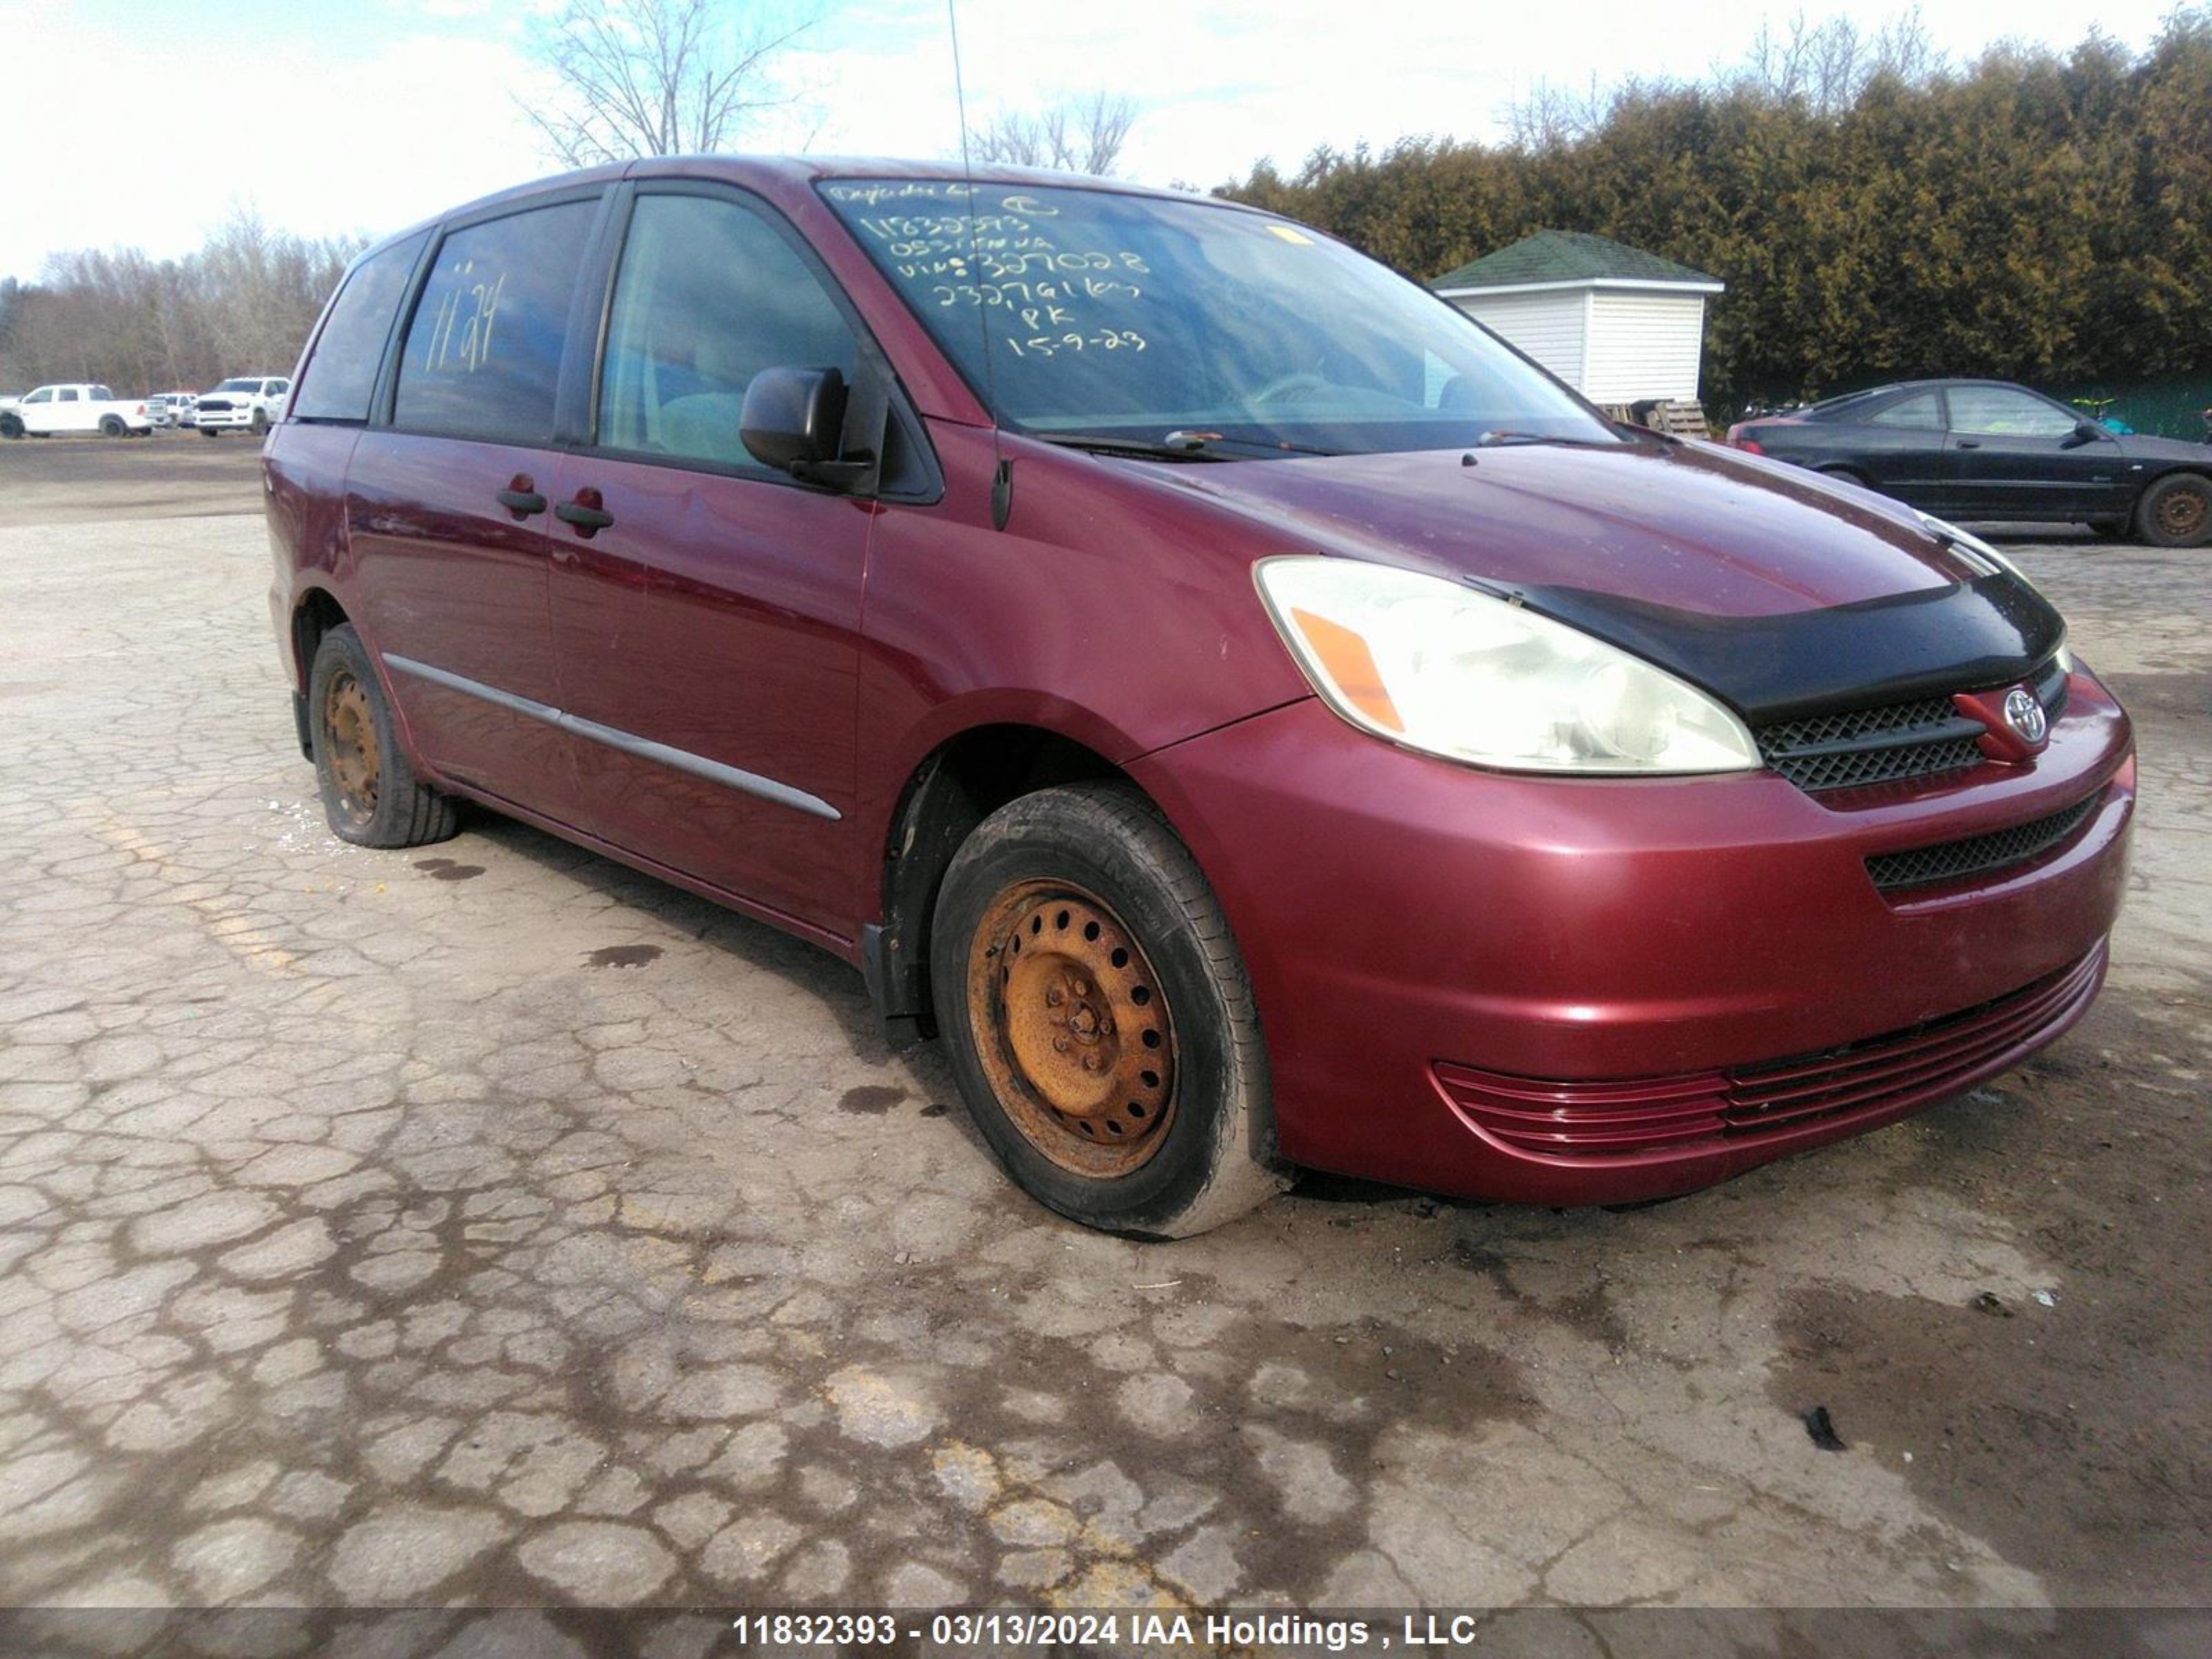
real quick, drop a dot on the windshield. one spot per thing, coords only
(1084, 312)
(240, 385)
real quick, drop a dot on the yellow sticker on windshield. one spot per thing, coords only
(1289, 234)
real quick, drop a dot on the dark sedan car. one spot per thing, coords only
(1986, 449)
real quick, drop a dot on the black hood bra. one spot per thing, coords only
(1926, 643)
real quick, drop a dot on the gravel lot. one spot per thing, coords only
(492, 1225)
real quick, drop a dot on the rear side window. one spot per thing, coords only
(342, 375)
(482, 357)
(1919, 413)
(709, 295)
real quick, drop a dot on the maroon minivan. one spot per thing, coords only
(1253, 716)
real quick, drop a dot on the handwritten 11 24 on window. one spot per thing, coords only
(472, 308)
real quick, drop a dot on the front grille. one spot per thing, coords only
(1916, 739)
(1949, 861)
(215, 408)
(1872, 745)
(1700, 1111)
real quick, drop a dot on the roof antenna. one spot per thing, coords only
(1002, 470)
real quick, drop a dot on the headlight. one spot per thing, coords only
(1440, 668)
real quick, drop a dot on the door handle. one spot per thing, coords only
(585, 512)
(524, 502)
(1969, 443)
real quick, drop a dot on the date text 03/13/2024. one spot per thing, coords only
(1004, 1627)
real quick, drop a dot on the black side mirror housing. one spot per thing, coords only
(2085, 432)
(794, 420)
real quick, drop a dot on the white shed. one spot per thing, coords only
(1617, 324)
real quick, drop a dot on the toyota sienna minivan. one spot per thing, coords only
(1251, 716)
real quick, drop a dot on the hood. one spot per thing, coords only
(1779, 591)
(2145, 447)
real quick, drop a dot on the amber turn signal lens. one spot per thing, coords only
(1345, 656)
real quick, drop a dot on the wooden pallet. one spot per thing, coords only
(1678, 416)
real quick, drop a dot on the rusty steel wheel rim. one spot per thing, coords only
(1074, 1030)
(2183, 512)
(350, 745)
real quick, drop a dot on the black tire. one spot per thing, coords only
(1209, 1153)
(260, 423)
(10, 427)
(110, 426)
(347, 714)
(2176, 511)
(207, 432)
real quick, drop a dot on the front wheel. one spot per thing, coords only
(260, 422)
(2176, 511)
(1098, 1018)
(10, 427)
(209, 432)
(370, 791)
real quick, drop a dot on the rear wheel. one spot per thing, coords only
(369, 791)
(2176, 511)
(110, 426)
(1098, 1017)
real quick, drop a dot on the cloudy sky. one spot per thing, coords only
(142, 124)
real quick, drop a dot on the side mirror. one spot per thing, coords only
(2085, 432)
(793, 420)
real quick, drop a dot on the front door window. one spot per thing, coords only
(710, 294)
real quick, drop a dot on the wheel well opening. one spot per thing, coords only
(315, 614)
(954, 790)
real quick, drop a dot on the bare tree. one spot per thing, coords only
(660, 77)
(1076, 134)
(1825, 66)
(1551, 116)
(242, 304)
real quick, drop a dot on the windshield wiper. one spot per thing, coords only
(1177, 446)
(1147, 449)
(1501, 437)
(1258, 446)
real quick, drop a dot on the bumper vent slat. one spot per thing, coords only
(1654, 1116)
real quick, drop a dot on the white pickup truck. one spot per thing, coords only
(250, 403)
(82, 407)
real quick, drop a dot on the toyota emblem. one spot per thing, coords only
(2024, 713)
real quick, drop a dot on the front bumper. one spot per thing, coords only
(225, 418)
(1408, 924)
